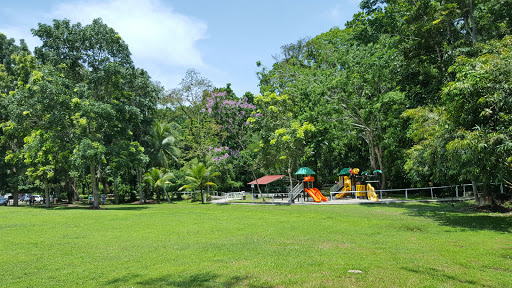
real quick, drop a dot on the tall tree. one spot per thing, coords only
(283, 138)
(16, 66)
(479, 105)
(111, 96)
(336, 83)
(189, 98)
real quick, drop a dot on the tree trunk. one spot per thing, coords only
(372, 157)
(487, 198)
(57, 192)
(290, 176)
(106, 187)
(146, 194)
(84, 184)
(15, 193)
(46, 192)
(96, 202)
(475, 192)
(88, 184)
(378, 152)
(257, 185)
(76, 196)
(139, 181)
(473, 29)
(202, 196)
(116, 193)
(167, 194)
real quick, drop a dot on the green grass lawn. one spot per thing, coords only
(194, 245)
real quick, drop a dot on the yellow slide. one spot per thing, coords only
(347, 187)
(372, 196)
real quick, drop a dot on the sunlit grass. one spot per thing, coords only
(194, 245)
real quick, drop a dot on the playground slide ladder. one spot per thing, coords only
(336, 187)
(296, 191)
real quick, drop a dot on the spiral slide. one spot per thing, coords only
(372, 196)
(316, 194)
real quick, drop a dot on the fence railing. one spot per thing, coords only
(234, 196)
(455, 191)
(421, 193)
(429, 190)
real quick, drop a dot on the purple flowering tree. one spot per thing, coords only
(234, 116)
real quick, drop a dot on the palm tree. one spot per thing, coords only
(158, 179)
(199, 176)
(163, 146)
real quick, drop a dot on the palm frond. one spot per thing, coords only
(185, 187)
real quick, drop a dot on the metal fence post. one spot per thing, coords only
(406, 195)
(380, 194)
(457, 191)
(432, 192)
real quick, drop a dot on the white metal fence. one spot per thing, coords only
(229, 196)
(455, 191)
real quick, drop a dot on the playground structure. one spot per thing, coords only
(361, 188)
(350, 183)
(349, 186)
(308, 181)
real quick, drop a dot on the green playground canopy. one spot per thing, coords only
(377, 171)
(304, 171)
(344, 171)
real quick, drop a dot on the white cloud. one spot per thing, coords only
(163, 41)
(155, 33)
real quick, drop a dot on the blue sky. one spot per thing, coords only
(222, 39)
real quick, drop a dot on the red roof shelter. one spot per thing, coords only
(267, 179)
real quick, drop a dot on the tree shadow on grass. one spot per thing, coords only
(84, 207)
(437, 273)
(200, 280)
(459, 216)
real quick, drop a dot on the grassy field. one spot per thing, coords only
(194, 245)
